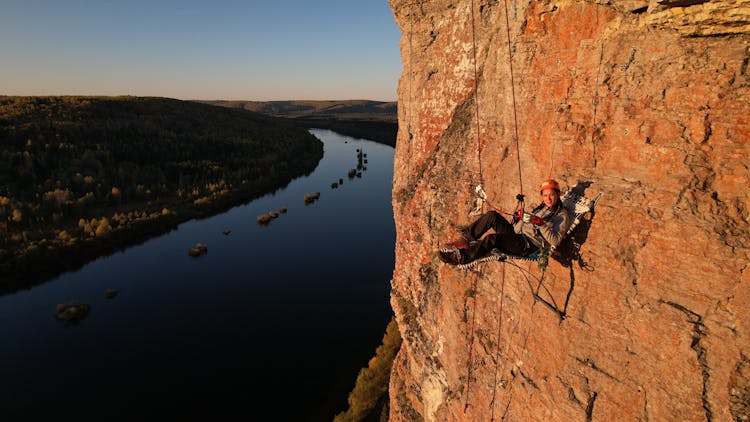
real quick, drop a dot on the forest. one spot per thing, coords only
(97, 169)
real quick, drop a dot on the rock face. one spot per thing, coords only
(645, 102)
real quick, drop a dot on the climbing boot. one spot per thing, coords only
(451, 255)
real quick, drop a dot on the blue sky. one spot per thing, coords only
(242, 50)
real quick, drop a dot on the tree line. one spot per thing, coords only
(65, 161)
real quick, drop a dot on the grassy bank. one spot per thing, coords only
(368, 401)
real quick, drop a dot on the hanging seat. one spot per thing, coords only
(576, 205)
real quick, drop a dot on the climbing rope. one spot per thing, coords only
(470, 363)
(483, 197)
(499, 337)
(513, 93)
(480, 189)
(476, 94)
(411, 74)
(525, 340)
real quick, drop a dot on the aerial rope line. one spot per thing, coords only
(479, 190)
(499, 337)
(411, 72)
(482, 196)
(575, 204)
(470, 363)
(515, 113)
(476, 94)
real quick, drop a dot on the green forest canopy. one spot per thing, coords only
(64, 158)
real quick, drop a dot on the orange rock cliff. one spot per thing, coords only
(647, 102)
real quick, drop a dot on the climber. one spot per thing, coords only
(547, 223)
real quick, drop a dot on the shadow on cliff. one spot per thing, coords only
(568, 252)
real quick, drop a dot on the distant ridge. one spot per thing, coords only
(341, 110)
(374, 120)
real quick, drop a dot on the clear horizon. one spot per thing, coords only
(228, 50)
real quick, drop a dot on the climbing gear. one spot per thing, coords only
(481, 198)
(549, 184)
(576, 205)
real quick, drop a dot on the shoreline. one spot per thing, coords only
(382, 132)
(42, 264)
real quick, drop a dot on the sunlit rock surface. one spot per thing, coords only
(646, 102)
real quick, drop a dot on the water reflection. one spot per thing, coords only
(271, 324)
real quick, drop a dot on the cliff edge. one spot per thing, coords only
(647, 102)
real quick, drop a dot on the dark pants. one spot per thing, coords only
(504, 238)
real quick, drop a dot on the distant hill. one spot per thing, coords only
(88, 174)
(374, 120)
(341, 110)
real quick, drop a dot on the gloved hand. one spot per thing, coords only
(518, 215)
(533, 219)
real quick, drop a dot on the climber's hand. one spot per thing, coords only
(537, 221)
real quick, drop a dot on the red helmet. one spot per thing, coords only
(549, 184)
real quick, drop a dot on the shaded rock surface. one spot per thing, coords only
(645, 101)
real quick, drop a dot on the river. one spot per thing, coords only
(273, 323)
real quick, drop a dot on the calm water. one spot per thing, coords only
(272, 324)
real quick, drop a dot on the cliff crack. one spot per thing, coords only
(591, 364)
(528, 380)
(631, 59)
(699, 332)
(571, 392)
(590, 407)
(681, 3)
(739, 390)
